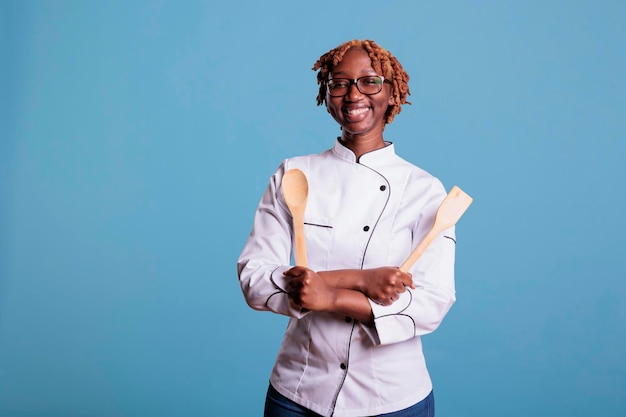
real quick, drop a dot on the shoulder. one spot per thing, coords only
(305, 162)
(410, 169)
(416, 179)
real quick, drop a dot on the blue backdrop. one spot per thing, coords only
(137, 138)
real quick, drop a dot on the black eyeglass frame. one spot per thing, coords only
(356, 82)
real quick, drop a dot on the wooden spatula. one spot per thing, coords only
(449, 212)
(296, 193)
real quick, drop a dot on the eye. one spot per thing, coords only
(371, 80)
(338, 84)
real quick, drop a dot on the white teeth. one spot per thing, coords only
(355, 112)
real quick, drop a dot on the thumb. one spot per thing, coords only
(410, 283)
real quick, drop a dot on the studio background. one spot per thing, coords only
(136, 139)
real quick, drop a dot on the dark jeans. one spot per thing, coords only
(277, 405)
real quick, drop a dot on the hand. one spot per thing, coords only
(308, 291)
(384, 285)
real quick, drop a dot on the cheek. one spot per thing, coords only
(390, 100)
(334, 114)
(333, 108)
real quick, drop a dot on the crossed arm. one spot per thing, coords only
(346, 291)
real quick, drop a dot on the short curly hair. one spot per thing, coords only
(391, 69)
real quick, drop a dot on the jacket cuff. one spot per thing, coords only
(281, 301)
(390, 325)
(279, 279)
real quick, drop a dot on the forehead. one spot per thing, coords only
(355, 62)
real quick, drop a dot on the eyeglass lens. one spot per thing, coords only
(366, 85)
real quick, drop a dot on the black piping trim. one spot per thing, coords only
(404, 315)
(379, 215)
(399, 313)
(345, 374)
(318, 225)
(268, 298)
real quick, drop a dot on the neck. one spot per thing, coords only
(362, 144)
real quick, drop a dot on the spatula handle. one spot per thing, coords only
(449, 212)
(419, 250)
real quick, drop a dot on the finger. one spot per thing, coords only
(296, 282)
(291, 273)
(409, 283)
(295, 271)
(384, 301)
(298, 270)
(294, 298)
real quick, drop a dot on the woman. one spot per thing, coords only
(352, 346)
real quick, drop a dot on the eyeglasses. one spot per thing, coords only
(370, 84)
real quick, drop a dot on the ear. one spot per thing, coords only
(391, 101)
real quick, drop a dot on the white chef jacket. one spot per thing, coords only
(360, 214)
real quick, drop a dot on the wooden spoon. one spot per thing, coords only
(296, 192)
(449, 212)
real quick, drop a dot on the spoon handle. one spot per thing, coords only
(298, 229)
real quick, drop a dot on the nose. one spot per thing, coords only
(353, 93)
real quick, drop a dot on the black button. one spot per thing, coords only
(383, 187)
(348, 319)
(366, 228)
(343, 366)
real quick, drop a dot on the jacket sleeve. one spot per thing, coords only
(421, 310)
(267, 253)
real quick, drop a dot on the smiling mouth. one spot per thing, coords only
(356, 112)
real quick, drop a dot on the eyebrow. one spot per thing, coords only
(364, 73)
